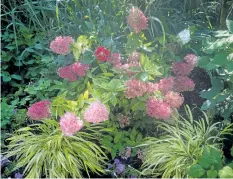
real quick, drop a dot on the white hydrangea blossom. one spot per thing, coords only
(184, 36)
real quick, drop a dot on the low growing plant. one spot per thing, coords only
(45, 151)
(179, 146)
(210, 165)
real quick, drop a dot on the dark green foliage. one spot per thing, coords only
(116, 140)
(219, 62)
(210, 165)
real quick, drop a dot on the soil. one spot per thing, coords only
(192, 98)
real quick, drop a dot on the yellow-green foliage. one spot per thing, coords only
(45, 152)
(183, 142)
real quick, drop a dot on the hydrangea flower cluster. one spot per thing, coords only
(184, 36)
(102, 54)
(137, 20)
(181, 68)
(70, 124)
(61, 45)
(184, 68)
(96, 113)
(79, 69)
(174, 99)
(39, 110)
(66, 73)
(72, 72)
(191, 59)
(134, 58)
(135, 88)
(158, 108)
(166, 84)
(115, 59)
(183, 83)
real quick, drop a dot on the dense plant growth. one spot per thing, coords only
(97, 89)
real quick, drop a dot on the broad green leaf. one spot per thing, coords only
(217, 86)
(226, 172)
(212, 174)
(17, 77)
(196, 171)
(87, 58)
(229, 24)
(6, 78)
(220, 58)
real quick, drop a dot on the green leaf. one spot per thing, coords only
(226, 172)
(196, 171)
(229, 24)
(217, 86)
(211, 157)
(232, 151)
(17, 77)
(212, 173)
(87, 58)
(144, 76)
(133, 42)
(220, 58)
(117, 137)
(133, 134)
(6, 78)
(113, 153)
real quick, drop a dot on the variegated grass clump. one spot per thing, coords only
(179, 146)
(44, 151)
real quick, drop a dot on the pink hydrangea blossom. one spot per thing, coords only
(115, 59)
(181, 68)
(61, 45)
(96, 113)
(134, 58)
(66, 72)
(191, 59)
(152, 87)
(70, 124)
(166, 84)
(135, 88)
(39, 110)
(183, 83)
(158, 109)
(79, 69)
(137, 20)
(174, 99)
